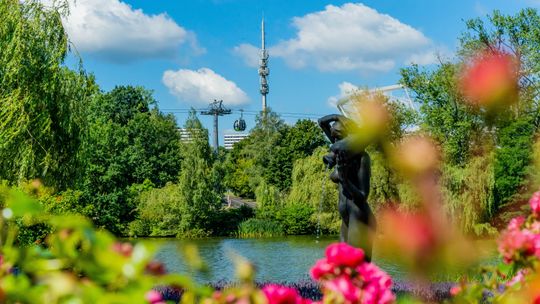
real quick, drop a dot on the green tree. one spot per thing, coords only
(295, 142)
(197, 183)
(42, 121)
(444, 114)
(513, 157)
(269, 152)
(130, 142)
(312, 190)
(269, 201)
(464, 132)
(187, 208)
(518, 35)
(247, 164)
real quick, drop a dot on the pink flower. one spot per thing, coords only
(515, 223)
(343, 285)
(387, 297)
(518, 278)
(515, 243)
(491, 80)
(342, 254)
(277, 294)
(125, 249)
(377, 284)
(153, 297)
(370, 294)
(535, 227)
(371, 273)
(321, 268)
(455, 290)
(347, 278)
(534, 202)
(414, 234)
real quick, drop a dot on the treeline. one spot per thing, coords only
(114, 157)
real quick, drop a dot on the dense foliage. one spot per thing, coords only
(80, 264)
(129, 143)
(42, 117)
(468, 135)
(114, 157)
(184, 208)
(268, 154)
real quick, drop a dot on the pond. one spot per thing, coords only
(280, 259)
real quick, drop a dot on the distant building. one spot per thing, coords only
(186, 135)
(229, 139)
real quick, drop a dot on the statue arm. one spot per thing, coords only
(324, 123)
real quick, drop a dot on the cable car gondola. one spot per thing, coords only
(240, 124)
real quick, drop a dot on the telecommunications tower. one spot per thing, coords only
(263, 69)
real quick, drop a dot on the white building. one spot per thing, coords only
(229, 139)
(186, 135)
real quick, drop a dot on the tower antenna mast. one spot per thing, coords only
(216, 109)
(263, 69)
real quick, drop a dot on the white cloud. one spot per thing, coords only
(116, 31)
(345, 89)
(352, 37)
(249, 53)
(480, 9)
(203, 86)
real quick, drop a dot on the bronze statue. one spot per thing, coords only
(352, 173)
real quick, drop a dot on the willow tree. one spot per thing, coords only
(311, 187)
(41, 100)
(197, 185)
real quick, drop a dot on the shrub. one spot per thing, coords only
(468, 191)
(268, 201)
(225, 222)
(255, 227)
(312, 188)
(296, 219)
(77, 263)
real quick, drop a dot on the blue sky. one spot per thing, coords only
(192, 51)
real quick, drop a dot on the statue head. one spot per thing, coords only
(338, 130)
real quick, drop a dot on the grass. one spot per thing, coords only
(259, 228)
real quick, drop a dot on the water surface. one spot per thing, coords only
(280, 259)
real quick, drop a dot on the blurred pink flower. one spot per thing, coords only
(153, 297)
(342, 254)
(321, 268)
(534, 202)
(343, 285)
(414, 234)
(455, 290)
(514, 244)
(491, 79)
(371, 273)
(344, 273)
(125, 249)
(518, 278)
(277, 294)
(377, 284)
(516, 223)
